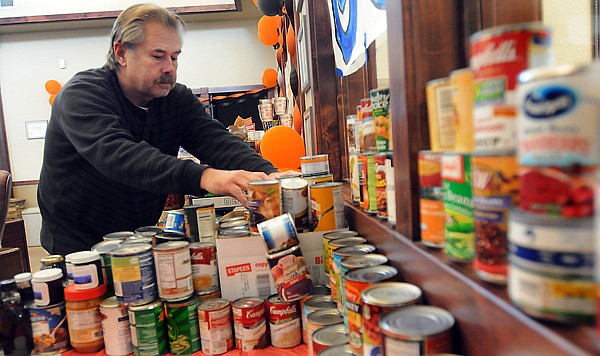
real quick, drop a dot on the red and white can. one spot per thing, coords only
(173, 270)
(249, 323)
(290, 273)
(284, 322)
(216, 333)
(205, 274)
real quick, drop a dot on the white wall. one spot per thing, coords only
(215, 54)
(571, 23)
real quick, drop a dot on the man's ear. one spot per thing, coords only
(120, 50)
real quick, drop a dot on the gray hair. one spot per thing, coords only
(128, 29)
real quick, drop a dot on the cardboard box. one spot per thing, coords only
(243, 267)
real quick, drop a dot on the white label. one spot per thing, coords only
(400, 347)
(41, 293)
(85, 276)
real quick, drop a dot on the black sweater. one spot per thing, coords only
(109, 165)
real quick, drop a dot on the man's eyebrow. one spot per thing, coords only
(163, 51)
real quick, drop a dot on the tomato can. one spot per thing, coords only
(369, 183)
(557, 191)
(495, 186)
(249, 323)
(559, 116)
(216, 333)
(342, 249)
(318, 320)
(461, 82)
(264, 201)
(327, 206)
(431, 201)
(459, 244)
(182, 326)
(294, 198)
(133, 274)
(425, 330)
(49, 327)
(284, 322)
(382, 121)
(279, 233)
(311, 304)
(314, 165)
(440, 114)
(355, 282)
(328, 336)
(116, 328)
(353, 262)
(205, 274)
(327, 252)
(173, 270)
(498, 55)
(201, 222)
(379, 299)
(290, 273)
(381, 184)
(148, 329)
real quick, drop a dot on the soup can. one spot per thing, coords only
(182, 326)
(175, 221)
(379, 299)
(249, 323)
(353, 262)
(352, 132)
(339, 350)
(461, 82)
(495, 186)
(118, 236)
(318, 320)
(49, 327)
(104, 248)
(290, 273)
(328, 336)
(168, 236)
(209, 294)
(314, 165)
(314, 303)
(116, 328)
(327, 206)
(327, 253)
(381, 184)
(205, 273)
(284, 322)
(431, 201)
(148, 329)
(149, 231)
(216, 333)
(355, 282)
(294, 198)
(264, 201)
(369, 143)
(201, 222)
(426, 330)
(459, 244)
(279, 233)
(173, 270)
(498, 55)
(440, 114)
(342, 249)
(133, 274)
(323, 178)
(380, 106)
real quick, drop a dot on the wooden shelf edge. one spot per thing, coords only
(486, 322)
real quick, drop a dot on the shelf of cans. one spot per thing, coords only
(275, 112)
(508, 185)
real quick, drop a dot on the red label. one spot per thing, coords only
(233, 270)
(202, 256)
(249, 316)
(281, 312)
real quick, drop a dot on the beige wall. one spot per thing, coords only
(571, 23)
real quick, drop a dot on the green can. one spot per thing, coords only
(380, 104)
(148, 329)
(182, 326)
(104, 248)
(458, 207)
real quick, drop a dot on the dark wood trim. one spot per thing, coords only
(184, 10)
(504, 12)
(21, 183)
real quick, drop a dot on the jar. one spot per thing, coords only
(87, 270)
(48, 287)
(56, 261)
(84, 318)
(24, 287)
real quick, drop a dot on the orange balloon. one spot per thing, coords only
(283, 147)
(255, 3)
(52, 86)
(268, 29)
(269, 78)
(51, 99)
(290, 40)
(298, 122)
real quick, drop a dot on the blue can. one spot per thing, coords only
(49, 327)
(133, 274)
(175, 221)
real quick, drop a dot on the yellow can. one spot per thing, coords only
(440, 113)
(327, 206)
(461, 81)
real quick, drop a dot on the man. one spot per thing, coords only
(114, 134)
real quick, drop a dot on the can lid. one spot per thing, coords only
(326, 185)
(391, 294)
(416, 321)
(347, 241)
(171, 245)
(47, 275)
(171, 235)
(320, 302)
(239, 224)
(148, 230)
(52, 259)
(354, 250)
(337, 234)
(131, 249)
(119, 235)
(23, 277)
(84, 257)
(360, 261)
(110, 302)
(213, 304)
(323, 317)
(137, 240)
(339, 350)
(371, 274)
(106, 246)
(75, 295)
(294, 183)
(331, 335)
(247, 302)
(234, 233)
(148, 306)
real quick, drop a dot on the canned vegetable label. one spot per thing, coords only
(380, 105)
(182, 327)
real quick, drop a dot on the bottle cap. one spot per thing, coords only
(23, 277)
(47, 275)
(84, 257)
(74, 295)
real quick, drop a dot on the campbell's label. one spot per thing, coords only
(284, 322)
(279, 312)
(236, 269)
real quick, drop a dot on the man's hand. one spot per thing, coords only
(232, 183)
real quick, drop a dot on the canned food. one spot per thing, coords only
(318, 320)
(87, 270)
(353, 262)
(368, 126)
(355, 281)
(380, 106)
(279, 233)
(201, 222)
(175, 221)
(425, 329)
(115, 327)
(149, 231)
(133, 274)
(49, 327)
(48, 287)
(440, 114)
(148, 329)
(314, 165)
(369, 186)
(138, 239)
(168, 236)
(294, 198)
(250, 323)
(284, 322)
(327, 206)
(314, 303)
(118, 236)
(354, 173)
(264, 201)
(104, 248)
(205, 273)
(290, 273)
(182, 326)
(214, 317)
(327, 252)
(381, 184)
(498, 55)
(352, 132)
(324, 178)
(431, 201)
(379, 299)
(335, 275)
(340, 350)
(211, 294)
(461, 82)
(173, 270)
(390, 190)
(329, 336)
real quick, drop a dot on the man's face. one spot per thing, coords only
(150, 69)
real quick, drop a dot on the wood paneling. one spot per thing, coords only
(502, 12)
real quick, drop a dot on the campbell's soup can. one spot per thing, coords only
(249, 323)
(216, 332)
(381, 180)
(382, 121)
(205, 274)
(461, 82)
(498, 55)
(318, 320)
(173, 270)
(314, 165)
(290, 273)
(459, 244)
(329, 336)
(559, 116)
(495, 186)
(440, 114)
(431, 201)
(424, 330)
(557, 191)
(284, 322)
(379, 299)
(327, 206)
(264, 201)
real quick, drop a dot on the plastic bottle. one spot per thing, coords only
(84, 318)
